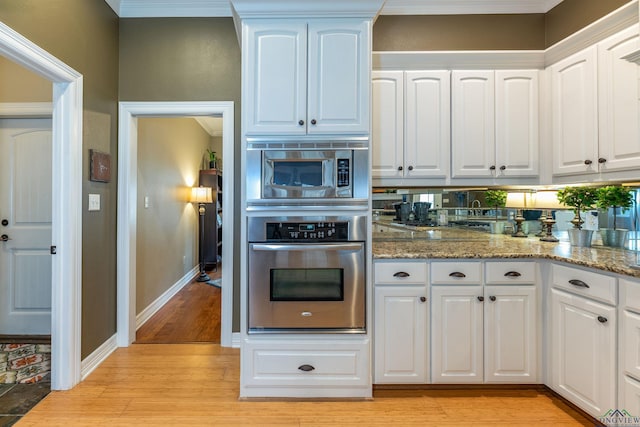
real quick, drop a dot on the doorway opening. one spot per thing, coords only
(66, 207)
(129, 200)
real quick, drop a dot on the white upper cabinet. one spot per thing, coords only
(473, 123)
(619, 145)
(495, 123)
(517, 122)
(387, 126)
(594, 95)
(411, 124)
(306, 76)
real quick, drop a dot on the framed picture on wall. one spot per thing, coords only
(99, 166)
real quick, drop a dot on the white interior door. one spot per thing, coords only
(25, 208)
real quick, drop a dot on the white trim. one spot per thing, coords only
(236, 340)
(66, 278)
(26, 109)
(222, 8)
(92, 361)
(306, 8)
(459, 60)
(211, 125)
(159, 302)
(127, 214)
(466, 7)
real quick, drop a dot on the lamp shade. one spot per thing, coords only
(517, 200)
(201, 195)
(546, 200)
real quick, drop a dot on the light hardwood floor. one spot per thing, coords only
(198, 384)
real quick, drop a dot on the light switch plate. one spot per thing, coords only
(94, 202)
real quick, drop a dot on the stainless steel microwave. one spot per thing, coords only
(300, 173)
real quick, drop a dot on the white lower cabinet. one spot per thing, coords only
(583, 351)
(456, 334)
(400, 338)
(305, 368)
(629, 373)
(510, 327)
(400, 325)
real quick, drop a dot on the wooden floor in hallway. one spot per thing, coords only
(198, 384)
(191, 315)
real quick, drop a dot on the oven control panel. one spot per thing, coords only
(309, 231)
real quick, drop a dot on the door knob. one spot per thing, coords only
(5, 222)
(4, 238)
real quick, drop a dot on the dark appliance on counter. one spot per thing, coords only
(307, 274)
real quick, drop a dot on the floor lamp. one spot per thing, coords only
(201, 195)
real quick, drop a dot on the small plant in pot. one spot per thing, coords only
(497, 199)
(616, 197)
(580, 199)
(212, 159)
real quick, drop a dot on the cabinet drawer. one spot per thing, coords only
(401, 273)
(587, 283)
(630, 294)
(469, 273)
(504, 273)
(280, 364)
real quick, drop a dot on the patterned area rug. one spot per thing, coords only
(24, 363)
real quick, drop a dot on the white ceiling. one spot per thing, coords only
(215, 8)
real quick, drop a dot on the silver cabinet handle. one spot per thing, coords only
(602, 319)
(306, 368)
(512, 274)
(481, 299)
(457, 274)
(423, 299)
(306, 247)
(579, 283)
(492, 298)
(401, 274)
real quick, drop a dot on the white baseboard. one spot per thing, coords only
(156, 305)
(94, 360)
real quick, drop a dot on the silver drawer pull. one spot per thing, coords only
(512, 274)
(306, 368)
(457, 274)
(401, 274)
(602, 319)
(306, 314)
(578, 283)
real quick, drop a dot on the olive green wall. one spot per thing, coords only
(21, 85)
(170, 156)
(186, 59)
(458, 32)
(84, 35)
(573, 15)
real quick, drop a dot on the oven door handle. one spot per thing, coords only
(306, 247)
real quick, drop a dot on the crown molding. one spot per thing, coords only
(306, 8)
(211, 125)
(467, 7)
(459, 60)
(222, 8)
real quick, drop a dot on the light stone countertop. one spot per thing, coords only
(445, 242)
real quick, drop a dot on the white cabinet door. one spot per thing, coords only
(517, 123)
(428, 124)
(574, 113)
(472, 123)
(400, 348)
(583, 351)
(275, 77)
(630, 336)
(630, 400)
(387, 127)
(339, 76)
(510, 334)
(456, 334)
(618, 110)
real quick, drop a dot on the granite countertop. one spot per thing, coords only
(445, 242)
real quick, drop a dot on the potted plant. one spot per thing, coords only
(212, 159)
(497, 199)
(580, 199)
(614, 196)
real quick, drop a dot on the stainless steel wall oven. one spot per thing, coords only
(307, 274)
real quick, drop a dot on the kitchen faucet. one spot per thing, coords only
(476, 209)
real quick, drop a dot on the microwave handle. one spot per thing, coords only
(306, 247)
